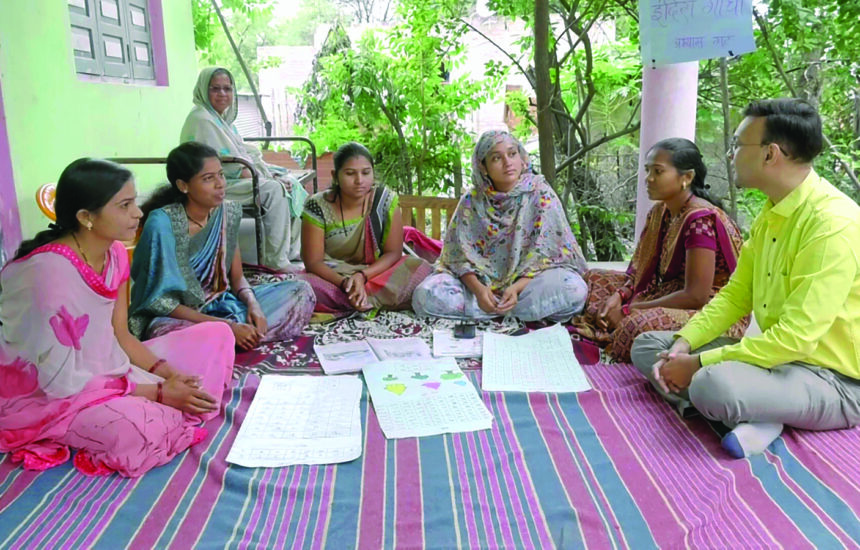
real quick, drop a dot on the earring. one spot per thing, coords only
(89, 225)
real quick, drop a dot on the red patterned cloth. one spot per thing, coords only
(658, 268)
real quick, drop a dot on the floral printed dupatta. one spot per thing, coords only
(504, 236)
(652, 260)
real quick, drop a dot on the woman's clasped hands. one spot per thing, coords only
(356, 292)
(184, 393)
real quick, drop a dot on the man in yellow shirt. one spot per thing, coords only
(799, 273)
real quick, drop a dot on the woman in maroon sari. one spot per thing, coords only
(686, 253)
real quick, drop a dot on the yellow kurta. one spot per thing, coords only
(799, 273)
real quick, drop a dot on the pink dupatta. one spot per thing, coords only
(58, 351)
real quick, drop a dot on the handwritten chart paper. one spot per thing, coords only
(445, 345)
(344, 357)
(424, 397)
(300, 420)
(688, 30)
(400, 348)
(540, 361)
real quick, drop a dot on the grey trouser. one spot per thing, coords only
(795, 394)
(281, 232)
(555, 294)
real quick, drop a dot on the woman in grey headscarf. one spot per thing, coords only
(211, 122)
(509, 248)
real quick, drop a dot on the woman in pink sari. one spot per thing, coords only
(71, 374)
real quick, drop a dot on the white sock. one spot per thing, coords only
(751, 438)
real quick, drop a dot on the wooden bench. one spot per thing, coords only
(436, 206)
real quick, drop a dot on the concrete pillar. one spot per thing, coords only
(668, 110)
(10, 224)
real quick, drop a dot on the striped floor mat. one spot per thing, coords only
(609, 468)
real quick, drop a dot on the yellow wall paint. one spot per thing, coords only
(54, 117)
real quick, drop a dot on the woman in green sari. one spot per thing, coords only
(352, 241)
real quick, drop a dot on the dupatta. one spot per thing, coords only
(205, 125)
(651, 259)
(504, 236)
(353, 244)
(172, 268)
(58, 351)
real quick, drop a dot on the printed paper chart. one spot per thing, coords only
(300, 420)
(424, 397)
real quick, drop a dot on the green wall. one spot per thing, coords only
(53, 117)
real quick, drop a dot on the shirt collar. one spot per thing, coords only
(797, 197)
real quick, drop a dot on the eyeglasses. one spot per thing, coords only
(222, 89)
(734, 145)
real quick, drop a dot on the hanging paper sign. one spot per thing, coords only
(675, 31)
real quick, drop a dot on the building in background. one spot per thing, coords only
(96, 78)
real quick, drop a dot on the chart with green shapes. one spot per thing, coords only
(424, 397)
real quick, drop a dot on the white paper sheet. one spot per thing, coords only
(300, 420)
(344, 357)
(424, 397)
(445, 345)
(400, 348)
(540, 361)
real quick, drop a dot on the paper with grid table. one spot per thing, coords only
(300, 420)
(540, 361)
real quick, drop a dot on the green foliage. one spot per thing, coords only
(606, 246)
(519, 104)
(388, 91)
(595, 72)
(750, 203)
(617, 77)
(251, 23)
(299, 29)
(818, 44)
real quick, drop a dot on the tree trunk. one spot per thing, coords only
(404, 148)
(245, 70)
(727, 131)
(855, 150)
(542, 89)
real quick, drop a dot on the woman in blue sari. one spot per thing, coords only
(187, 267)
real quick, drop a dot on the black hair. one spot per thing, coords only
(341, 156)
(86, 184)
(183, 163)
(685, 156)
(793, 124)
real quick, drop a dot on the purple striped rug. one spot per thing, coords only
(610, 468)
